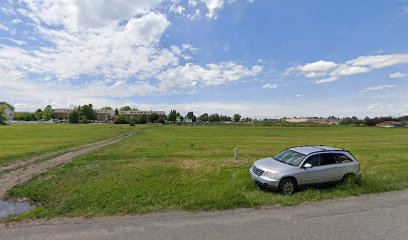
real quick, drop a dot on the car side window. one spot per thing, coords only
(327, 159)
(342, 158)
(314, 160)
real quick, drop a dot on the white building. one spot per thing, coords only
(9, 112)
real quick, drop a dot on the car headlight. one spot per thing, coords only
(271, 175)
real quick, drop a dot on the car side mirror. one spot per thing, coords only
(307, 165)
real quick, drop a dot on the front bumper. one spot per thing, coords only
(264, 181)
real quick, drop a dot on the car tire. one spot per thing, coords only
(287, 186)
(349, 178)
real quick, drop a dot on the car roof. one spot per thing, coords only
(312, 149)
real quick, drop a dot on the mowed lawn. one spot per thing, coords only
(20, 141)
(166, 168)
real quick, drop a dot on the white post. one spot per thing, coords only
(236, 153)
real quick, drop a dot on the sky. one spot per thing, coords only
(259, 58)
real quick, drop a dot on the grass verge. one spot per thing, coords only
(20, 141)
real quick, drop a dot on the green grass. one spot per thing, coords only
(20, 141)
(192, 168)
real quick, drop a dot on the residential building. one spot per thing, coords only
(61, 113)
(8, 111)
(390, 124)
(133, 114)
(105, 115)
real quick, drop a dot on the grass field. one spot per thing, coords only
(192, 168)
(24, 140)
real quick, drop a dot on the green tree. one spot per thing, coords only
(73, 117)
(3, 117)
(121, 119)
(88, 112)
(152, 117)
(190, 115)
(172, 117)
(38, 114)
(203, 117)
(214, 118)
(107, 108)
(142, 119)
(237, 117)
(116, 112)
(48, 113)
(128, 108)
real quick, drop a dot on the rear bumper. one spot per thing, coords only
(358, 175)
(264, 181)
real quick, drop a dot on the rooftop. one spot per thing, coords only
(311, 149)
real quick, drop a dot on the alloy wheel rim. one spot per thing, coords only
(288, 187)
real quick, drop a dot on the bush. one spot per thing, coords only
(121, 119)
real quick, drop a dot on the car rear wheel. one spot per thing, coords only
(287, 186)
(349, 178)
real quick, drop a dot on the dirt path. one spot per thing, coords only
(21, 171)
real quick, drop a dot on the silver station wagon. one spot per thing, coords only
(306, 165)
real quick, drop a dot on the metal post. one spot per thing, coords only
(236, 153)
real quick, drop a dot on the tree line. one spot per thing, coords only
(86, 114)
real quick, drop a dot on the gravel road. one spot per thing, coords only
(376, 216)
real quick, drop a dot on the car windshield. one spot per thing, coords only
(290, 157)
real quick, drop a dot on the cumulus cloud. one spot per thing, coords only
(269, 86)
(330, 71)
(97, 51)
(213, 6)
(191, 75)
(398, 75)
(381, 87)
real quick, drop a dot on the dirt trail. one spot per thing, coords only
(21, 171)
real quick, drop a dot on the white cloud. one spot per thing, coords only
(398, 75)
(3, 27)
(76, 14)
(193, 3)
(213, 6)
(381, 87)
(373, 105)
(269, 86)
(177, 9)
(114, 52)
(192, 75)
(319, 66)
(331, 71)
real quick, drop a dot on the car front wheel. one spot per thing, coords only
(287, 186)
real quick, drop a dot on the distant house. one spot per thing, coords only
(390, 124)
(296, 120)
(188, 120)
(105, 115)
(133, 114)
(333, 121)
(8, 111)
(61, 113)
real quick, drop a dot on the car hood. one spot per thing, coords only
(271, 164)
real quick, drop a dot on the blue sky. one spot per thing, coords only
(262, 58)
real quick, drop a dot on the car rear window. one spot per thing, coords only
(342, 158)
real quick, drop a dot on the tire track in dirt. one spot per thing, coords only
(22, 171)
